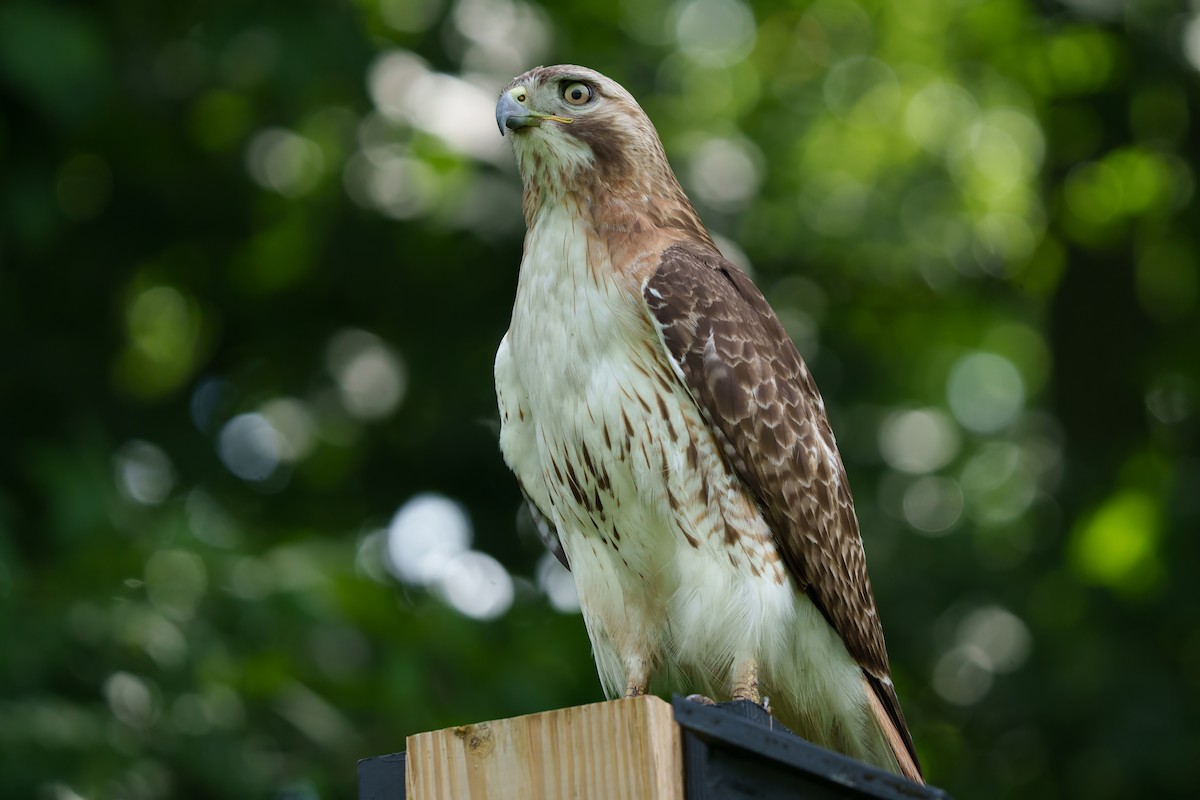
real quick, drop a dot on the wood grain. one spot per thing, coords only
(622, 748)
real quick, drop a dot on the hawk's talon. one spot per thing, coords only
(745, 682)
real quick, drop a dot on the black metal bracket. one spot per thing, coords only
(381, 777)
(736, 751)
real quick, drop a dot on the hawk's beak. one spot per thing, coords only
(512, 114)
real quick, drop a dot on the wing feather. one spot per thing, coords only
(545, 529)
(758, 397)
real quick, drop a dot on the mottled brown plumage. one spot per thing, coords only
(668, 434)
(754, 388)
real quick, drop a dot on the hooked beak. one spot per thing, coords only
(512, 114)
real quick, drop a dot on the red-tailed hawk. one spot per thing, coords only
(671, 440)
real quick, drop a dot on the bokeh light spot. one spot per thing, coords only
(1080, 60)
(476, 585)
(998, 634)
(132, 700)
(1117, 545)
(285, 162)
(370, 375)
(918, 440)
(219, 119)
(165, 327)
(426, 533)
(715, 32)
(988, 640)
(162, 640)
(985, 392)
(999, 153)
(938, 114)
(933, 504)
(725, 173)
(396, 185)
(1191, 41)
(406, 91)
(389, 78)
(175, 582)
(1171, 398)
(250, 447)
(999, 483)
(296, 425)
(144, 472)
(963, 676)
(159, 322)
(505, 36)
(208, 521)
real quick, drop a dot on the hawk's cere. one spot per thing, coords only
(670, 439)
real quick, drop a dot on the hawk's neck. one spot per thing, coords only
(635, 202)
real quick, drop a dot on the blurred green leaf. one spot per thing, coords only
(55, 55)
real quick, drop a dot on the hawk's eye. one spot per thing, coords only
(577, 94)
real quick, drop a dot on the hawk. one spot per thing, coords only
(670, 440)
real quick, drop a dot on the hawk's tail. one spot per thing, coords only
(885, 707)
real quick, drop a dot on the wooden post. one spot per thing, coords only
(639, 748)
(624, 748)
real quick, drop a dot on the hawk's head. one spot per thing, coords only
(570, 118)
(574, 131)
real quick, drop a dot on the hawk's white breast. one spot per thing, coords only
(674, 564)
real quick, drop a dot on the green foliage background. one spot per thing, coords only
(978, 219)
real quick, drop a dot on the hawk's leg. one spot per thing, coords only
(745, 681)
(637, 677)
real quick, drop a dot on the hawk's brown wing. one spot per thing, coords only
(760, 400)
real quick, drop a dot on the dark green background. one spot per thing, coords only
(979, 215)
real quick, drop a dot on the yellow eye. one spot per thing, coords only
(577, 93)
